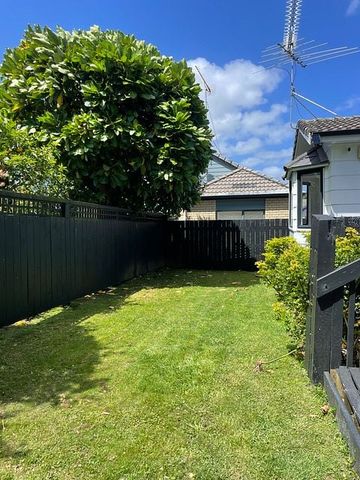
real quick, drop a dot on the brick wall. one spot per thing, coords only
(204, 210)
(276, 207)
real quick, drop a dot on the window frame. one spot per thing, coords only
(242, 214)
(310, 200)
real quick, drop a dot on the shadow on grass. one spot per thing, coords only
(178, 278)
(54, 356)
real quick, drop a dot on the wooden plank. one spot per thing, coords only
(351, 392)
(336, 328)
(337, 278)
(355, 373)
(350, 325)
(318, 349)
(344, 419)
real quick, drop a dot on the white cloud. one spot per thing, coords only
(274, 171)
(349, 104)
(353, 7)
(239, 84)
(249, 127)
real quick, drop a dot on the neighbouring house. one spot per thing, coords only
(218, 167)
(324, 173)
(235, 192)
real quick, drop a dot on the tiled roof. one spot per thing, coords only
(244, 181)
(330, 125)
(314, 157)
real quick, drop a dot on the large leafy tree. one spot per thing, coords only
(128, 121)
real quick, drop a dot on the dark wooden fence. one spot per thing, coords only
(53, 251)
(330, 353)
(331, 318)
(221, 244)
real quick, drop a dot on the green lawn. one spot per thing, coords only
(155, 380)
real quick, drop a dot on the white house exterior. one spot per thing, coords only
(324, 174)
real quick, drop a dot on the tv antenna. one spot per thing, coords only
(294, 51)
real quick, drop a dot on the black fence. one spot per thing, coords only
(221, 244)
(53, 251)
(333, 315)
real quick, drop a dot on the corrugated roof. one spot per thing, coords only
(244, 181)
(330, 125)
(312, 158)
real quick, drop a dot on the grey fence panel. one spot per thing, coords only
(53, 251)
(221, 244)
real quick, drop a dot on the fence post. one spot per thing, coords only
(323, 323)
(66, 209)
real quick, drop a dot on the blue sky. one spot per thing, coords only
(250, 111)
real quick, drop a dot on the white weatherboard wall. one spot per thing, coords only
(342, 176)
(341, 181)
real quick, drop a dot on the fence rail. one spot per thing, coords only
(12, 203)
(224, 244)
(53, 251)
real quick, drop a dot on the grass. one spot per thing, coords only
(155, 380)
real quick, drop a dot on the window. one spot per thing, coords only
(253, 214)
(240, 208)
(290, 204)
(235, 215)
(309, 197)
(241, 215)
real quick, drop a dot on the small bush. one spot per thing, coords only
(286, 268)
(348, 247)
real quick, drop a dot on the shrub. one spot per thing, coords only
(347, 247)
(286, 268)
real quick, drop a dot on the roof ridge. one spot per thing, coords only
(223, 176)
(338, 117)
(267, 177)
(246, 169)
(225, 159)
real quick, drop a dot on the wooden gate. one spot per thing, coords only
(330, 339)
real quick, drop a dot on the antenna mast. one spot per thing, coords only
(293, 51)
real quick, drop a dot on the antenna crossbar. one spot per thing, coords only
(294, 51)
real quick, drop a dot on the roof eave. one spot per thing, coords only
(245, 194)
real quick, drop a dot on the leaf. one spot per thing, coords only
(59, 100)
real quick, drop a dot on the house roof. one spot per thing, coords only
(221, 159)
(244, 182)
(330, 125)
(315, 157)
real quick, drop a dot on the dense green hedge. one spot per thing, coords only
(286, 268)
